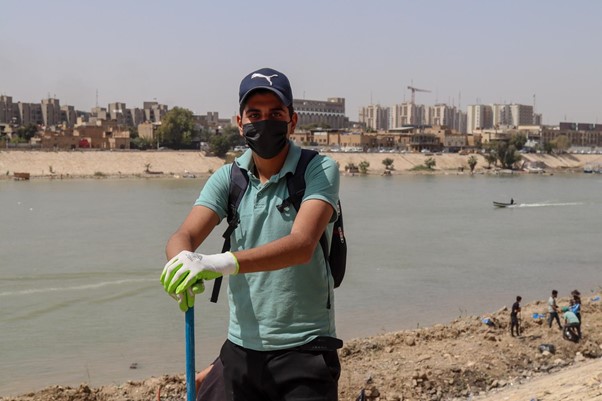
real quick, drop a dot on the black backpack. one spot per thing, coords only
(336, 255)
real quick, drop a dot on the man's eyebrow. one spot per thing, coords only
(254, 110)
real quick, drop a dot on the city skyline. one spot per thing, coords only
(194, 55)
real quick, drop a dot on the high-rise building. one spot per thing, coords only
(375, 117)
(7, 109)
(119, 112)
(478, 116)
(153, 111)
(68, 116)
(407, 114)
(51, 112)
(521, 114)
(30, 113)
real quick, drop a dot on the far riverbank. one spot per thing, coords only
(176, 164)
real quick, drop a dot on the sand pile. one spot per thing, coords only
(465, 359)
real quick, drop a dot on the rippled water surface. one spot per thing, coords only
(80, 299)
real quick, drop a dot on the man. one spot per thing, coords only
(571, 325)
(514, 317)
(553, 310)
(281, 337)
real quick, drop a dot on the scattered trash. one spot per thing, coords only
(539, 316)
(596, 298)
(547, 347)
(488, 322)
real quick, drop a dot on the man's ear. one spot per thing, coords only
(294, 119)
(239, 124)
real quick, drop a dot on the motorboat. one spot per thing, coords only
(504, 204)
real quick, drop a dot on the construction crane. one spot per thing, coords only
(414, 90)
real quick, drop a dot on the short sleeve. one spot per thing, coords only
(322, 181)
(214, 194)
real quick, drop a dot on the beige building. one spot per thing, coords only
(478, 117)
(86, 137)
(326, 114)
(375, 117)
(407, 114)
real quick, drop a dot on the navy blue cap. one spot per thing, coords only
(266, 78)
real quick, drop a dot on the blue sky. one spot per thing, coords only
(194, 53)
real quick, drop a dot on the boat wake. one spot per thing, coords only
(74, 288)
(545, 204)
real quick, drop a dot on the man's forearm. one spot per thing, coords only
(177, 243)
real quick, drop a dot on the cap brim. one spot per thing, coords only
(280, 95)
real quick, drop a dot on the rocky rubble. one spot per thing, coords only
(456, 361)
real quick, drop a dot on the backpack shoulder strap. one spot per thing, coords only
(239, 180)
(295, 182)
(296, 190)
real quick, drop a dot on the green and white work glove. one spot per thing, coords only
(184, 274)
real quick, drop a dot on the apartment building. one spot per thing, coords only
(30, 113)
(120, 113)
(68, 116)
(478, 117)
(8, 111)
(498, 116)
(51, 112)
(154, 111)
(444, 115)
(328, 114)
(407, 114)
(375, 117)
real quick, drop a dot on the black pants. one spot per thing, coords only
(514, 323)
(286, 375)
(551, 317)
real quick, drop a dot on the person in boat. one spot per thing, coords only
(512, 201)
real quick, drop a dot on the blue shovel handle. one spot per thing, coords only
(190, 369)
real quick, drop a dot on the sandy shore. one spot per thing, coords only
(67, 164)
(465, 359)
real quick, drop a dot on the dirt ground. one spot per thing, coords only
(465, 359)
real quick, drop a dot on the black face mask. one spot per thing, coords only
(267, 137)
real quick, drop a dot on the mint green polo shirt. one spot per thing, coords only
(287, 307)
(571, 317)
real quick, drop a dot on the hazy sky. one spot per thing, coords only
(193, 54)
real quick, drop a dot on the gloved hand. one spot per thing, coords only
(186, 268)
(186, 299)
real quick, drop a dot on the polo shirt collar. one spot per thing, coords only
(245, 161)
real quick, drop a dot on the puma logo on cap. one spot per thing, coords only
(267, 77)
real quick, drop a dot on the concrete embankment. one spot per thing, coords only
(178, 163)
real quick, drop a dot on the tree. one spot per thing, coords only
(219, 145)
(472, 163)
(430, 163)
(508, 154)
(518, 140)
(177, 128)
(363, 166)
(27, 132)
(490, 157)
(388, 162)
(562, 143)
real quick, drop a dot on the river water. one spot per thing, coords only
(80, 298)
